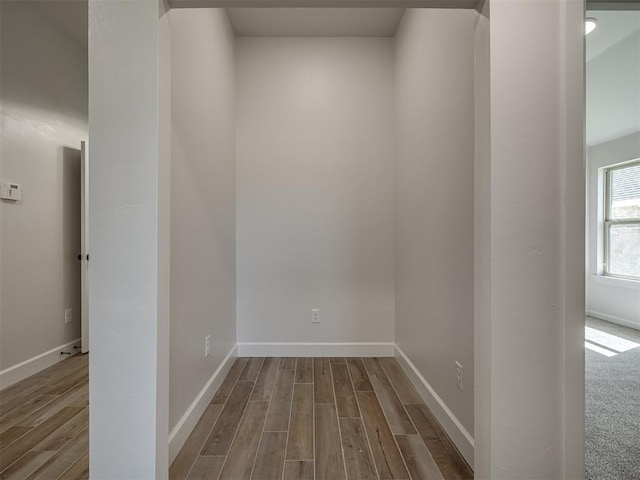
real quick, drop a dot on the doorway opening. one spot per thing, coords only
(612, 336)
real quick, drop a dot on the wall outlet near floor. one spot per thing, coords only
(315, 315)
(68, 316)
(459, 371)
(207, 345)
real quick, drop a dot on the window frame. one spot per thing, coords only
(608, 222)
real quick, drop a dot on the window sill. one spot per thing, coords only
(617, 282)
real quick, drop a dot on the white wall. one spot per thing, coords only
(129, 215)
(43, 98)
(613, 299)
(482, 243)
(202, 201)
(434, 200)
(315, 136)
(530, 217)
(613, 96)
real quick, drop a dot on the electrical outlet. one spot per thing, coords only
(315, 315)
(459, 372)
(68, 316)
(207, 345)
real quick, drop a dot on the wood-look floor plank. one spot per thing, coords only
(300, 446)
(82, 401)
(184, 460)
(65, 433)
(270, 460)
(402, 385)
(48, 410)
(339, 360)
(229, 382)
(225, 428)
(418, 459)
(79, 470)
(23, 388)
(372, 364)
(13, 417)
(26, 465)
(397, 417)
(322, 383)
(63, 459)
(386, 455)
(63, 369)
(280, 406)
(12, 434)
(444, 453)
(251, 370)
(357, 455)
(345, 396)
(266, 380)
(288, 363)
(68, 382)
(329, 464)
(18, 398)
(304, 370)
(298, 470)
(245, 445)
(207, 468)
(359, 375)
(15, 450)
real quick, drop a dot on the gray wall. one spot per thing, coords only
(315, 189)
(202, 201)
(434, 200)
(43, 95)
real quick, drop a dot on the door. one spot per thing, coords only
(84, 242)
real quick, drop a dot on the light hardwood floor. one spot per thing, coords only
(317, 419)
(44, 423)
(272, 418)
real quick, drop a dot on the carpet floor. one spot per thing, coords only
(612, 441)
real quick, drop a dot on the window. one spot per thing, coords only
(622, 221)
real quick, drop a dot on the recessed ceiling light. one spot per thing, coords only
(590, 25)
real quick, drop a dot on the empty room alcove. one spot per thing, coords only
(322, 159)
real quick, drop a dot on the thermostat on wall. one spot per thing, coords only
(10, 191)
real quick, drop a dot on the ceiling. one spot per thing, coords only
(613, 76)
(613, 26)
(315, 22)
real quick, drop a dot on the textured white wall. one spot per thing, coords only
(434, 199)
(315, 136)
(612, 299)
(530, 194)
(202, 200)
(43, 99)
(129, 184)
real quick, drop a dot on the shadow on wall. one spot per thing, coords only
(69, 160)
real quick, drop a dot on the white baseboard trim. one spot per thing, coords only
(187, 423)
(458, 434)
(316, 349)
(33, 365)
(612, 319)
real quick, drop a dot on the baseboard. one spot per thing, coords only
(187, 423)
(458, 434)
(33, 365)
(612, 319)
(315, 349)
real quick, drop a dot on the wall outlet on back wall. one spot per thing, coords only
(68, 316)
(315, 315)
